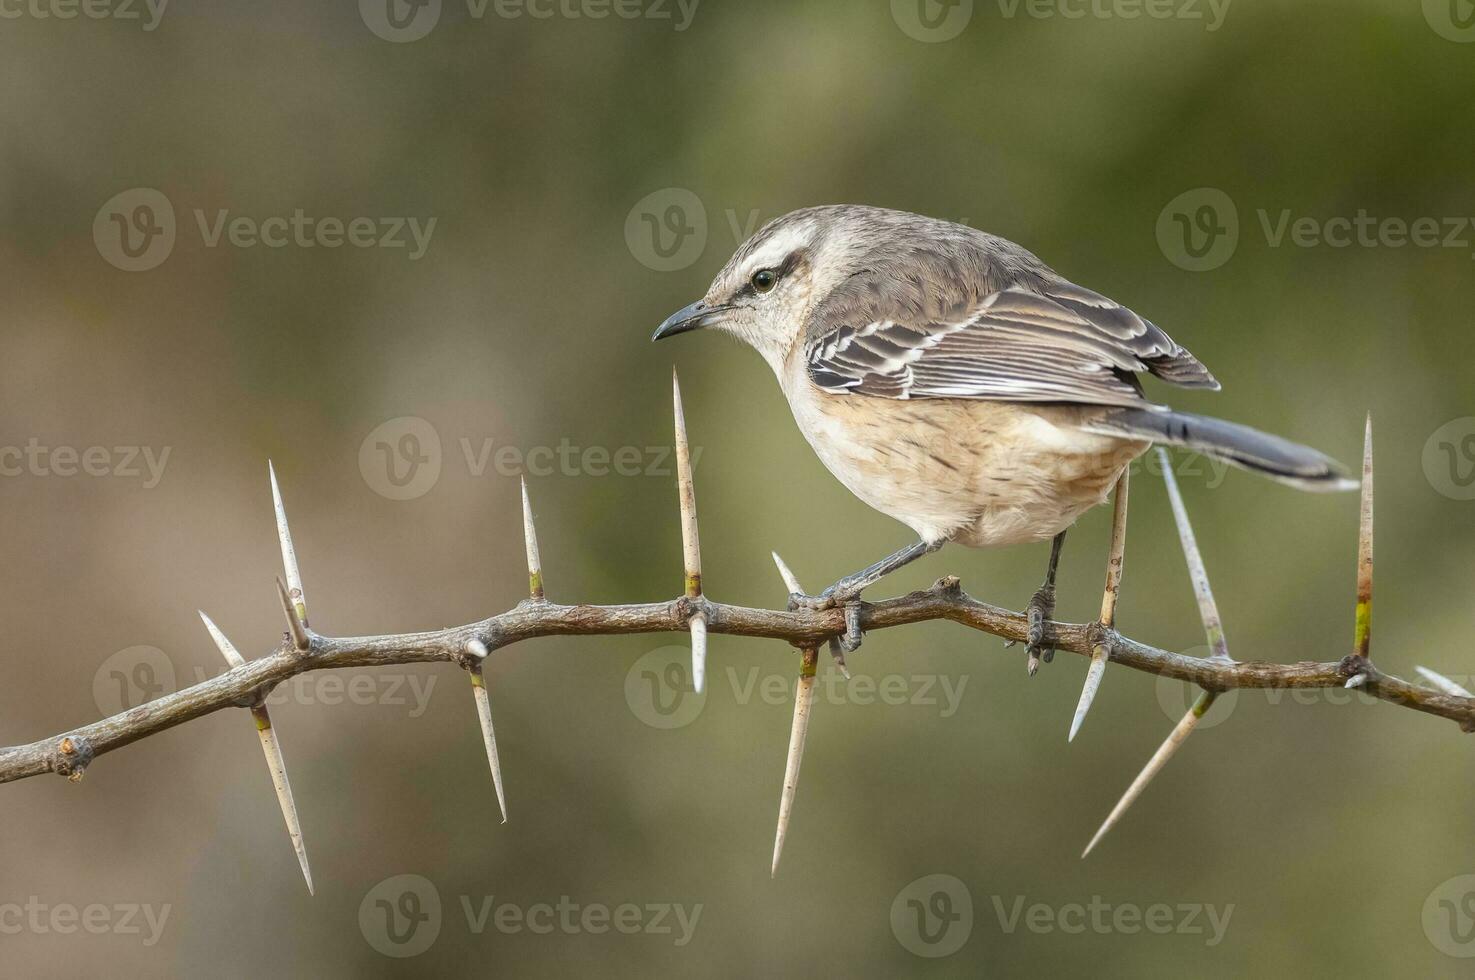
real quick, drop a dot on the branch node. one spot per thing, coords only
(72, 757)
(948, 585)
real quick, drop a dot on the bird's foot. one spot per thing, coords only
(1040, 610)
(843, 596)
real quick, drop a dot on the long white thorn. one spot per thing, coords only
(1213, 630)
(790, 581)
(1155, 765)
(530, 540)
(1443, 684)
(289, 553)
(1208, 609)
(484, 713)
(698, 626)
(1094, 673)
(227, 648)
(1114, 562)
(691, 548)
(803, 702)
(276, 766)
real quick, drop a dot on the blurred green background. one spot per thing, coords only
(560, 157)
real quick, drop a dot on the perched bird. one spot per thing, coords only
(953, 381)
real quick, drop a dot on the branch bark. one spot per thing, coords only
(70, 752)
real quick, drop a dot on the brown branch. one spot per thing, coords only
(248, 684)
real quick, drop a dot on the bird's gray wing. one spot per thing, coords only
(1064, 343)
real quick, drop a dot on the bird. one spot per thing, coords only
(953, 381)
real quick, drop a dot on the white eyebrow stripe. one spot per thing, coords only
(773, 252)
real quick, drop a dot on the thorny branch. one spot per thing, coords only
(302, 649)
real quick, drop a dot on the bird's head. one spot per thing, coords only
(764, 293)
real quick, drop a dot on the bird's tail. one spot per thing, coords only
(1279, 459)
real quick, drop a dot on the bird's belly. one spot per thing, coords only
(976, 472)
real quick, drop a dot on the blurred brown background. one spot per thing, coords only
(587, 175)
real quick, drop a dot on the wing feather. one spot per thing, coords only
(1063, 343)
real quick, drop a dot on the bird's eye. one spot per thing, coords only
(764, 280)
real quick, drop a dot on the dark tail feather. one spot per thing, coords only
(1280, 459)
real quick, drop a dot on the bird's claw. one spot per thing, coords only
(1040, 609)
(851, 640)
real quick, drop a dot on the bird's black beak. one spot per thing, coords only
(692, 317)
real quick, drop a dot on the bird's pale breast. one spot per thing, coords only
(982, 473)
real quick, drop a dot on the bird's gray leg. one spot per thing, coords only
(846, 592)
(1041, 608)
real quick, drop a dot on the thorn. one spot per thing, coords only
(227, 648)
(790, 581)
(294, 625)
(484, 714)
(1118, 550)
(1155, 765)
(837, 653)
(1088, 693)
(289, 553)
(530, 540)
(698, 626)
(803, 702)
(1363, 636)
(1443, 683)
(277, 766)
(1114, 562)
(691, 548)
(1213, 629)
(1208, 609)
(1356, 680)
